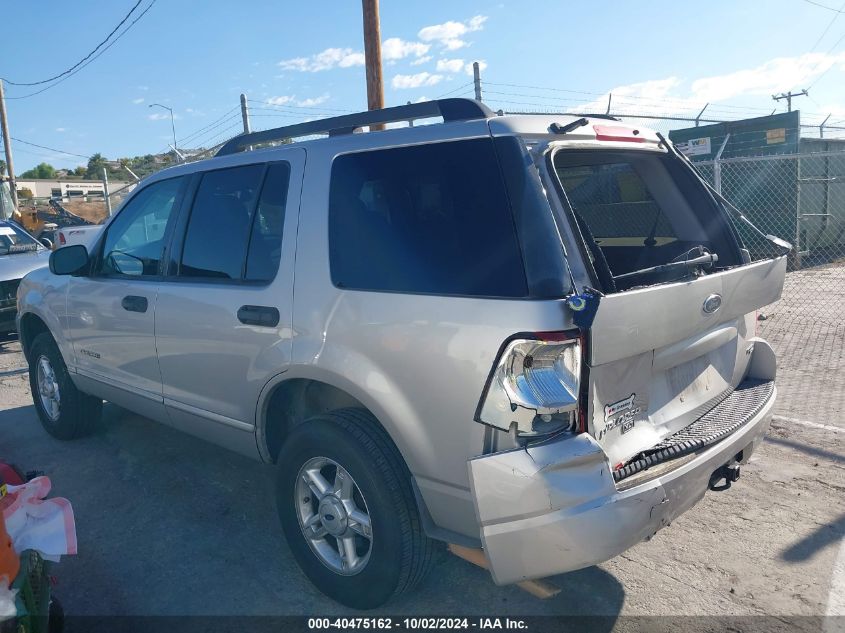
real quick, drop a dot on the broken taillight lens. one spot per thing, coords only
(535, 385)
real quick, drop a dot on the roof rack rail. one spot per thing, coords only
(449, 109)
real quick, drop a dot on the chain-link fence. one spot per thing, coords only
(800, 198)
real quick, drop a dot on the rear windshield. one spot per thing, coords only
(637, 211)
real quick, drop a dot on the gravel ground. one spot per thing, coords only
(169, 525)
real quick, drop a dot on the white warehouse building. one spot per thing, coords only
(67, 188)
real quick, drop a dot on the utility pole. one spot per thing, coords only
(476, 79)
(372, 58)
(106, 190)
(7, 143)
(788, 96)
(245, 113)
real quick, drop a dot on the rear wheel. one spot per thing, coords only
(348, 512)
(65, 412)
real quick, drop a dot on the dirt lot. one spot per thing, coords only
(170, 525)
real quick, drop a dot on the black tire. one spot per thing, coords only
(400, 552)
(79, 414)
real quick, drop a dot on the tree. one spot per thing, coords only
(44, 171)
(95, 167)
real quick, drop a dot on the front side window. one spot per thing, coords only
(424, 219)
(135, 240)
(235, 227)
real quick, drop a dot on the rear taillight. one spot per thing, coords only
(535, 385)
(62, 240)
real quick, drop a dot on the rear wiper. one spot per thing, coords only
(739, 215)
(706, 260)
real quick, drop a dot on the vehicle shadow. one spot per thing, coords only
(171, 525)
(6, 341)
(824, 536)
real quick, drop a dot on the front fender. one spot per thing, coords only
(44, 295)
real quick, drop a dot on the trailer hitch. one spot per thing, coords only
(728, 472)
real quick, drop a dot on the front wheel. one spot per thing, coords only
(348, 512)
(65, 412)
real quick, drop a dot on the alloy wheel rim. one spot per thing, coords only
(333, 516)
(48, 388)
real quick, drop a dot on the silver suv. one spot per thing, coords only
(532, 335)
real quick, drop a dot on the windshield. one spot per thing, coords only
(639, 212)
(14, 240)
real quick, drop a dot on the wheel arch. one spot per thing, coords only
(303, 391)
(31, 325)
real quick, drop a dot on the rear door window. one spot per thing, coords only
(424, 219)
(235, 227)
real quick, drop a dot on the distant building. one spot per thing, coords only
(68, 188)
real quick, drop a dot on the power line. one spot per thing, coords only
(81, 61)
(824, 6)
(832, 48)
(94, 58)
(224, 117)
(52, 149)
(446, 94)
(827, 28)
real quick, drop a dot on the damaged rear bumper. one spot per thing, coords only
(554, 507)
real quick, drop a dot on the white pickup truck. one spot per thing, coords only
(85, 235)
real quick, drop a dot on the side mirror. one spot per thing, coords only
(46, 243)
(69, 260)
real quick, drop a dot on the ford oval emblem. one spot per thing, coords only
(712, 303)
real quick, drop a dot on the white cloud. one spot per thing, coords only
(395, 48)
(450, 34)
(138, 100)
(422, 60)
(481, 66)
(60, 129)
(325, 60)
(450, 65)
(313, 101)
(161, 116)
(643, 94)
(671, 95)
(144, 88)
(774, 76)
(291, 100)
(454, 44)
(415, 81)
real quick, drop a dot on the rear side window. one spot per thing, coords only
(425, 219)
(235, 227)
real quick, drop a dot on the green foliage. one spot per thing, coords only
(43, 171)
(25, 193)
(2, 167)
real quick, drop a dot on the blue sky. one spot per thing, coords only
(298, 60)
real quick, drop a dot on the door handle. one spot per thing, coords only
(258, 315)
(134, 303)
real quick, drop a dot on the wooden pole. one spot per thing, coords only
(372, 58)
(7, 143)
